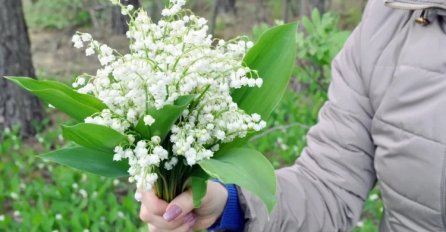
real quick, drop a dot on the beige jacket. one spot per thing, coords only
(385, 120)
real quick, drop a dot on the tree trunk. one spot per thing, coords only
(155, 10)
(303, 8)
(16, 106)
(319, 4)
(119, 21)
(225, 6)
(286, 10)
(262, 13)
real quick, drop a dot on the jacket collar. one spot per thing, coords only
(416, 4)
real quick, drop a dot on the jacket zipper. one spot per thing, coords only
(443, 193)
(414, 6)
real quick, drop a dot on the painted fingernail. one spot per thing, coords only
(172, 212)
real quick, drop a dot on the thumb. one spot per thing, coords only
(180, 206)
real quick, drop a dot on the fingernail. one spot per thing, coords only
(172, 212)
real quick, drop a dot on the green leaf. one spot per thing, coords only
(198, 185)
(143, 130)
(273, 57)
(316, 17)
(86, 159)
(164, 118)
(199, 188)
(308, 25)
(246, 168)
(93, 136)
(76, 105)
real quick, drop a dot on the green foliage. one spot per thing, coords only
(90, 160)
(198, 184)
(56, 14)
(247, 168)
(78, 106)
(93, 136)
(164, 118)
(273, 58)
(258, 30)
(40, 196)
(372, 213)
(275, 50)
(285, 138)
(318, 43)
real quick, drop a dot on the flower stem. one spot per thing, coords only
(170, 183)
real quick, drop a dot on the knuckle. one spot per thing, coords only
(154, 229)
(202, 224)
(185, 229)
(188, 193)
(145, 216)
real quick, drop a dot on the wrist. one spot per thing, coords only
(231, 218)
(221, 201)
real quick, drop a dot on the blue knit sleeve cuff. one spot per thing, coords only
(232, 218)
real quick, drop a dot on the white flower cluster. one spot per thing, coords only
(173, 58)
(144, 156)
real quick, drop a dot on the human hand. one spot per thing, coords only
(180, 215)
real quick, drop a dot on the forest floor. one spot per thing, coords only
(54, 56)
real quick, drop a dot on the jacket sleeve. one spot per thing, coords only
(326, 187)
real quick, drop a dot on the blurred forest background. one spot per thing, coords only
(40, 196)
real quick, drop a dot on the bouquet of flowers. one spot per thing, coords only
(177, 109)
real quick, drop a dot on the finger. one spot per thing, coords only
(146, 215)
(153, 204)
(186, 227)
(179, 206)
(203, 223)
(159, 222)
